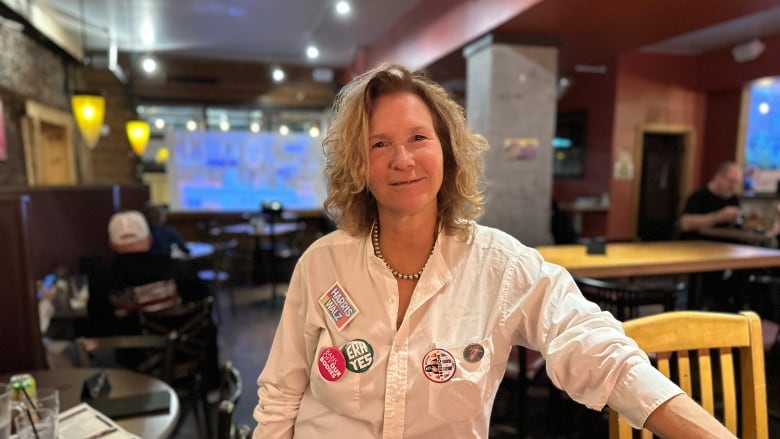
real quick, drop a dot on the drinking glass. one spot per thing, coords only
(49, 398)
(5, 411)
(79, 290)
(44, 421)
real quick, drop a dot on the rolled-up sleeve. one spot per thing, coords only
(587, 353)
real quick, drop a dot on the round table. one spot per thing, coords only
(123, 383)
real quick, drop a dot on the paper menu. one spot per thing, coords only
(84, 422)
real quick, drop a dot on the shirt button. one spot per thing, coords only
(394, 400)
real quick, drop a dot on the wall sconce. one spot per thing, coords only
(161, 156)
(89, 110)
(138, 134)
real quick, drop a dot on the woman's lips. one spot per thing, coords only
(405, 182)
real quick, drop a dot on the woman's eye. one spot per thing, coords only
(378, 144)
(419, 137)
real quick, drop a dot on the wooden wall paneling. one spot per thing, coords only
(66, 224)
(42, 229)
(20, 343)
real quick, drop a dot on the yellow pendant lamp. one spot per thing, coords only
(138, 134)
(161, 156)
(89, 110)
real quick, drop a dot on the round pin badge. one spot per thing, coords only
(359, 355)
(331, 364)
(438, 365)
(473, 352)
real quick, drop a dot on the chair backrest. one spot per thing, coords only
(156, 351)
(230, 392)
(690, 347)
(626, 300)
(190, 320)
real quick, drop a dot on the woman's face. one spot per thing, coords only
(404, 156)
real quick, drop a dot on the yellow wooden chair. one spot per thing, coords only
(685, 343)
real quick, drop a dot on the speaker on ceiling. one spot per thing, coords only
(748, 51)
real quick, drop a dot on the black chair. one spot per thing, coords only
(627, 299)
(193, 350)
(219, 276)
(154, 353)
(282, 251)
(230, 392)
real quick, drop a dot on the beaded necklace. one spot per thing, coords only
(378, 253)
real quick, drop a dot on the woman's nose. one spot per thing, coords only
(402, 158)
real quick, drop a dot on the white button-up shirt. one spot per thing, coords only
(493, 291)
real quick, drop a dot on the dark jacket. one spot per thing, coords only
(131, 270)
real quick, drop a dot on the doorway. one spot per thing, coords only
(48, 144)
(663, 155)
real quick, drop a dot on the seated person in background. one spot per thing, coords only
(60, 353)
(136, 279)
(164, 237)
(561, 226)
(714, 205)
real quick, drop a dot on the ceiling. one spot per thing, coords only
(198, 33)
(596, 31)
(250, 30)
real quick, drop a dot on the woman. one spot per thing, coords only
(400, 323)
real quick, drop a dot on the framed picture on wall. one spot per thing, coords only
(3, 144)
(569, 144)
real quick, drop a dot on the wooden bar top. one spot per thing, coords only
(662, 257)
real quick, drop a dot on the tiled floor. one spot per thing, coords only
(246, 338)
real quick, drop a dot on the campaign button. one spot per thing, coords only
(358, 354)
(473, 352)
(438, 365)
(331, 364)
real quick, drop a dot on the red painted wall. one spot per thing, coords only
(651, 89)
(594, 93)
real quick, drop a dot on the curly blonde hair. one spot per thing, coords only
(349, 203)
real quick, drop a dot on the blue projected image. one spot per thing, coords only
(238, 171)
(762, 135)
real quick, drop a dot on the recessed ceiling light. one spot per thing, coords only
(312, 52)
(343, 7)
(224, 125)
(192, 125)
(284, 130)
(314, 131)
(159, 123)
(278, 75)
(254, 127)
(149, 64)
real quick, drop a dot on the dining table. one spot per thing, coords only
(197, 250)
(123, 383)
(269, 241)
(687, 258)
(659, 258)
(751, 236)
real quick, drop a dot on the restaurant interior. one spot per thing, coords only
(216, 111)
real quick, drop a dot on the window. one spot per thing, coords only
(569, 144)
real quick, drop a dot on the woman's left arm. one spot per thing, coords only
(682, 417)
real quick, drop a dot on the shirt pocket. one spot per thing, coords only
(464, 396)
(342, 395)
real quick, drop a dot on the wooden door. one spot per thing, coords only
(48, 145)
(659, 195)
(56, 165)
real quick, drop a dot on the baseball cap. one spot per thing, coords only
(127, 227)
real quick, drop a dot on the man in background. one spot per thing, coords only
(165, 239)
(714, 205)
(136, 280)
